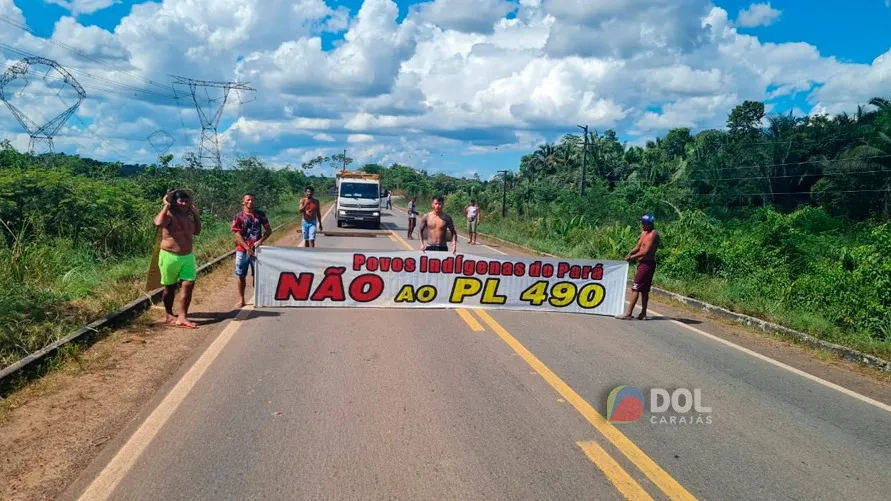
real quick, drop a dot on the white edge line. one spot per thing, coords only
(764, 358)
(105, 483)
(811, 377)
(108, 479)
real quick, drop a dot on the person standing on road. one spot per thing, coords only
(645, 254)
(179, 222)
(248, 226)
(389, 199)
(439, 224)
(310, 208)
(412, 216)
(472, 213)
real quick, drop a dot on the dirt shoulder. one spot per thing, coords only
(53, 428)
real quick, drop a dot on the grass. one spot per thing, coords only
(613, 242)
(57, 288)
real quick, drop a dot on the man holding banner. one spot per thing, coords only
(248, 226)
(645, 254)
(439, 224)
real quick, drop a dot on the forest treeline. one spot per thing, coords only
(779, 216)
(77, 234)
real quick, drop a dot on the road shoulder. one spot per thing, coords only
(53, 428)
(823, 364)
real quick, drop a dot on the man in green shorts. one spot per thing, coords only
(180, 223)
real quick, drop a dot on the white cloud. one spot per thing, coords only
(758, 14)
(624, 28)
(468, 16)
(78, 7)
(439, 84)
(366, 64)
(359, 138)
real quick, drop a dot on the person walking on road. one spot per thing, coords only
(412, 216)
(389, 199)
(438, 224)
(248, 226)
(310, 208)
(645, 254)
(180, 223)
(472, 213)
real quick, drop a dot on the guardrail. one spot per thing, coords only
(91, 331)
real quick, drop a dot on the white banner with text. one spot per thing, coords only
(301, 277)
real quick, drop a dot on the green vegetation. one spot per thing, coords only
(788, 221)
(78, 234)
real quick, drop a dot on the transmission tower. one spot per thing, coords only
(41, 135)
(161, 141)
(209, 147)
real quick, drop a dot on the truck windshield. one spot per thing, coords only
(359, 190)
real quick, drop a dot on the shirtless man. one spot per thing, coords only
(179, 222)
(311, 210)
(645, 254)
(472, 213)
(437, 223)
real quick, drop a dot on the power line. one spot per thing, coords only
(885, 190)
(827, 161)
(827, 174)
(209, 147)
(12, 22)
(126, 87)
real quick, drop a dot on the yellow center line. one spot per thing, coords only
(627, 486)
(472, 322)
(463, 313)
(654, 472)
(401, 240)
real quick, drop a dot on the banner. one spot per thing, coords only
(288, 277)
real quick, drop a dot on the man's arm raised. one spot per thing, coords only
(197, 217)
(163, 217)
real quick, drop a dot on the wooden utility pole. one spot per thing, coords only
(584, 160)
(504, 193)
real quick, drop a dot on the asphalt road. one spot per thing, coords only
(369, 404)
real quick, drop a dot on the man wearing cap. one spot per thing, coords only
(645, 254)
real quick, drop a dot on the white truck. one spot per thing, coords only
(358, 198)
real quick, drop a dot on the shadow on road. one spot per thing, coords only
(687, 321)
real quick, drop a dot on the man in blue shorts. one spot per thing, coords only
(248, 226)
(311, 210)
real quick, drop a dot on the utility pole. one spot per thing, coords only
(343, 169)
(584, 160)
(504, 193)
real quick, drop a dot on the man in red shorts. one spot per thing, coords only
(645, 254)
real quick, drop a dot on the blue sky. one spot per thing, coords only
(428, 98)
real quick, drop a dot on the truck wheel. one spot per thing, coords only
(339, 223)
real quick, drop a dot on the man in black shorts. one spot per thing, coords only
(438, 224)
